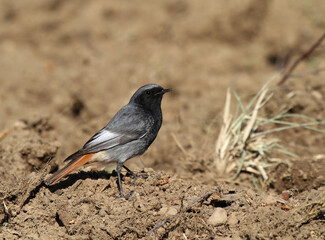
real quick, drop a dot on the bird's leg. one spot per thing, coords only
(129, 171)
(118, 170)
(135, 176)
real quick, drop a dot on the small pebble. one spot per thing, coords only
(285, 195)
(232, 220)
(218, 217)
(160, 231)
(163, 210)
(171, 211)
(270, 199)
(167, 211)
(317, 95)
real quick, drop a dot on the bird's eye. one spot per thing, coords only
(148, 92)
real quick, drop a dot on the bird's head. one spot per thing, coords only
(149, 96)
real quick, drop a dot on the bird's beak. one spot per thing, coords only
(164, 91)
(167, 90)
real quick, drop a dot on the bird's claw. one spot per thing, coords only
(126, 197)
(135, 176)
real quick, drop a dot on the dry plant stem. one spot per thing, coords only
(224, 138)
(287, 73)
(5, 207)
(242, 144)
(252, 121)
(4, 133)
(179, 145)
(229, 143)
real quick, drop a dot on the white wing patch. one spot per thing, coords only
(105, 139)
(103, 136)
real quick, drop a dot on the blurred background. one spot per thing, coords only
(70, 65)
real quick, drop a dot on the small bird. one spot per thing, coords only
(130, 132)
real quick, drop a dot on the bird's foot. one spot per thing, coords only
(126, 197)
(136, 176)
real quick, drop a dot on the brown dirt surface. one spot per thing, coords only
(66, 67)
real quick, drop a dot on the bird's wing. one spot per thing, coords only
(127, 125)
(106, 139)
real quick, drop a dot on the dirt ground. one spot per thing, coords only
(66, 67)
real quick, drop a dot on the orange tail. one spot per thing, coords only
(74, 164)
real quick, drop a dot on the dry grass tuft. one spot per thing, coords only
(244, 144)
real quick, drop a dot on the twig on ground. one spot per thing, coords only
(161, 223)
(288, 72)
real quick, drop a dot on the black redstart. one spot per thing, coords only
(128, 134)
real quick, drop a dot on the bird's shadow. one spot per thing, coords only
(71, 179)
